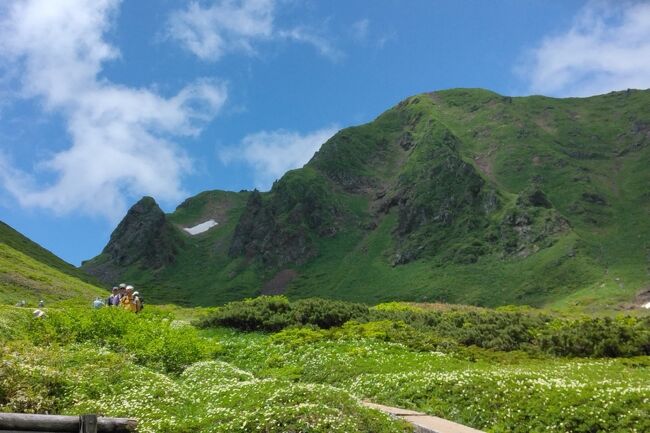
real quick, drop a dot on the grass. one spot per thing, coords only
(510, 393)
(365, 274)
(203, 274)
(24, 278)
(175, 378)
(20, 243)
(161, 372)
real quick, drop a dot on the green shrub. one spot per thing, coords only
(296, 337)
(395, 332)
(597, 337)
(153, 339)
(506, 329)
(273, 313)
(266, 313)
(13, 323)
(326, 313)
(483, 328)
(26, 389)
(396, 306)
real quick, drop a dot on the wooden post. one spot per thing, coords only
(23, 422)
(88, 423)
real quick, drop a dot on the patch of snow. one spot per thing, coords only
(646, 305)
(201, 228)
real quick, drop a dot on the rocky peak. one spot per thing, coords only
(144, 236)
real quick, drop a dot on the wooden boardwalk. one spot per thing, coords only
(422, 422)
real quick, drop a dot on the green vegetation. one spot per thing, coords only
(460, 196)
(504, 330)
(202, 272)
(30, 273)
(493, 391)
(20, 243)
(159, 370)
(273, 313)
(425, 357)
(24, 278)
(308, 372)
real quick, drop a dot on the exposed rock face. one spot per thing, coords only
(525, 230)
(144, 238)
(459, 177)
(445, 208)
(438, 197)
(280, 229)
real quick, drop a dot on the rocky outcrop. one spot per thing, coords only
(438, 197)
(525, 230)
(282, 228)
(143, 238)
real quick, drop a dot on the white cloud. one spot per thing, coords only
(121, 136)
(360, 29)
(607, 48)
(307, 36)
(273, 153)
(225, 26)
(234, 26)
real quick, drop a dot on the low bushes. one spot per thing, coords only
(493, 391)
(154, 340)
(273, 313)
(597, 337)
(443, 329)
(209, 396)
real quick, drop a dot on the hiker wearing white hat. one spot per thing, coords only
(138, 301)
(128, 301)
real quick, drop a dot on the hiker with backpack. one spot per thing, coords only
(114, 299)
(139, 302)
(98, 303)
(128, 301)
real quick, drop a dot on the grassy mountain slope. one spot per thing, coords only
(21, 243)
(29, 272)
(461, 196)
(200, 267)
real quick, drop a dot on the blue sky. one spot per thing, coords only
(104, 101)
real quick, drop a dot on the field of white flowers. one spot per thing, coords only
(506, 393)
(115, 363)
(175, 378)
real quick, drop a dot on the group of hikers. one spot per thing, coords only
(23, 303)
(123, 296)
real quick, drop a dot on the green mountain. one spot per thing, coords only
(462, 196)
(30, 272)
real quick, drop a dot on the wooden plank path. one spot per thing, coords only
(422, 422)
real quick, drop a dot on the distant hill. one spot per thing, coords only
(461, 196)
(30, 272)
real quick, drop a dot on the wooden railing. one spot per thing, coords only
(23, 423)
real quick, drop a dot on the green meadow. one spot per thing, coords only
(271, 365)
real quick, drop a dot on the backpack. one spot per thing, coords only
(141, 302)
